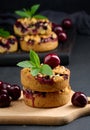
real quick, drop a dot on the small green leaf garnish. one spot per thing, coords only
(39, 16)
(46, 69)
(22, 13)
(25, 64)
(4, 33)
(35, 71)
(34, 9)
(31, 12)
(34, 58)
(35, 66)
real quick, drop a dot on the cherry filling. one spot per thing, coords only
(36, 25)
(29, 94)
(45, 80)
(64, 75)
(11, 40)
(31, 42)
(48, 80)
(33, 94)
(19, 25)
(40, 24)
(43, 40)
(7, 44)
(4, 45)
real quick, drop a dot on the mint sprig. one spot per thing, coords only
(31, 12)
(34, 9)
(34, 58)
(4, 33)
(35, 66)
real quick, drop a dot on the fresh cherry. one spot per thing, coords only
(54, 25)
(6, 86)
(52, 60)
(4, 100)
(62, 36)
(58, 29)
(14, 92)
(4, 91)
(8, 92)
(79, 99)
(1, 85)
(66, 23)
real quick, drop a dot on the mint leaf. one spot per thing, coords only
(25, 64)
(23, 14)
(35, 71)
(39, 16)
(4, 33)
(34, 58)
(34, 8)
(35, 66)
(29, 13)
(46, 69)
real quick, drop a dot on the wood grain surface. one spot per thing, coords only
(19, 113)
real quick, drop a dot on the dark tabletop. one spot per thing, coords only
(80, 81)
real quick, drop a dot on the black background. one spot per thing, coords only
(68, 6)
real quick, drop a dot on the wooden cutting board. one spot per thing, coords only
(19, 113)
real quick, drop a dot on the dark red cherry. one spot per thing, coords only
(4, 100)
(52, 60)
(4, 91)
(67, 23)
(54, 25)
(8, 92)
(6, 86)
(1, 85)
(14, 92)
(79, 99)
(62, 36)
(58, 29)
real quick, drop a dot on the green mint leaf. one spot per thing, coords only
(27, 12)
(39, 16)
(4, 33)
(34, 65)
(46, 69)
(34, 8)
(23, 14)
(25, 64)
(35, 71)
(34, 58)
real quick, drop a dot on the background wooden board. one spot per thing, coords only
(19, 113)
